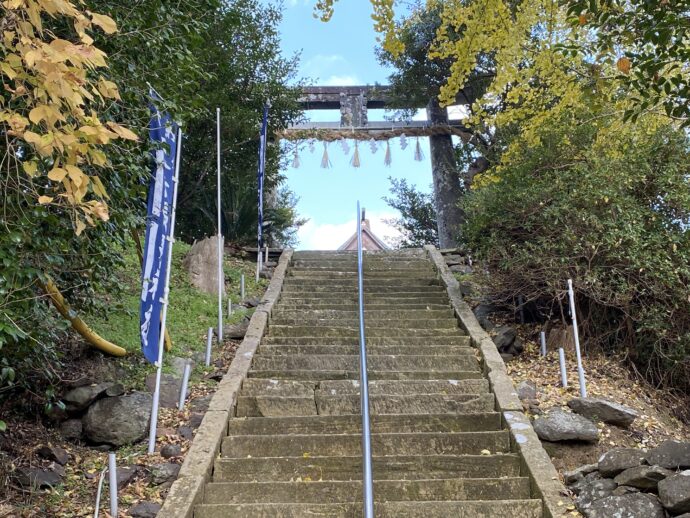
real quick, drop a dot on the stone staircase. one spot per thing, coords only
(439, 447)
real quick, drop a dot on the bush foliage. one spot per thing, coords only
(606, 204)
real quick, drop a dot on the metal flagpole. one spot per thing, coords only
(221, 277)
(260, 185)
(164, 313)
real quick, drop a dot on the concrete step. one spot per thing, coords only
(353, 274)
(292, 282)
(421, 341)
(432, 294)
(375, 313)
(320, 375)
(404, 323)
(324, 404)
(325, 332)
(461, 509)
(386, 423)
(455, 489)
(405, 404)
(375, 363)
(410, 305)
(388, 444)
(406, 387)
(433, 350)
(341, 467)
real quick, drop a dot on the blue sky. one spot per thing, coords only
(341, 52)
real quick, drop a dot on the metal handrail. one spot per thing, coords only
(367, 476)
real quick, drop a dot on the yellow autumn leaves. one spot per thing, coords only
(51, 114)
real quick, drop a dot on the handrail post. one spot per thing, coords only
(367, 478)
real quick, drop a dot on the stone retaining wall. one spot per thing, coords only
(188, 489)
(544, 479)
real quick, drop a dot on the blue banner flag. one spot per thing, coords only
(261, 173)
(162, 131)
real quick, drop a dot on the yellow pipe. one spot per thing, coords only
(78, 324)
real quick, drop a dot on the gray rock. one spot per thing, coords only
(482, 312)
(39, 477)
(594, 491)
(558, 425)
(170, 389)
(517, 347)
(201, 404)
(71, 429)
(118, 420)
(504, 337)
(145, 510)
(185, 432)
(507, 357)
(452, 259)
(171, 450)
(54, 453)
(642, 477)
(584, 482)
(527, 390)
(624, 490)
(674, 492)
(236, 331)
(632, 505)
(684, 515)
(570, 477)
(671, 455)
(615, 461)
(195, 419)
(125, 475)
(251, 302)
(162, 473)
(466, 289)
(79, 398)
(603, 410)
(461, 269)
(114, 390)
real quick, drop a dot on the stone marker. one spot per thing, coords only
(603, 410)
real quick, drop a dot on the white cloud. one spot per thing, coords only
(328, 236)
(336, 80)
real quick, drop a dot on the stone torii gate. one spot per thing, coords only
(354, 103)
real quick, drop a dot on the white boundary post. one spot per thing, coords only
(561, 361)
(229, 307)
(542, 339)
(112, 483)
(166, 293)
(576, 335)
(221, 279)
(209, 344)
(242, 287)
(185, 383)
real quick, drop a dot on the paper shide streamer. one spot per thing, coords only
(325, 160)
(374, 146)
(312, 145)
(345, 145)
(355, 158)
(403, 141)
(418, 155)
(295, 161)
(387, 158)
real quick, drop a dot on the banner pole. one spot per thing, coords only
(164, 313)
(221, 279)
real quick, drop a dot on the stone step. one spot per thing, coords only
(432, 294)
(405, 404)
(368, 312)
(385, 423)
(336, 362)
(406, 387)
(353, 274)
(455, 489)
(410, 305)
(455, 509)
(325, 332)
(352, 280)
(341, 467)
(320, 375)
(324, 404)
(433, 350)
(389, 444)
(404, 323)
(421, 341)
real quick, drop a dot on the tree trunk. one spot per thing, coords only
(447, 189)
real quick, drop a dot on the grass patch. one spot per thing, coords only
(190, 312)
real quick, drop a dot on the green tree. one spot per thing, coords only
(417, 222)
